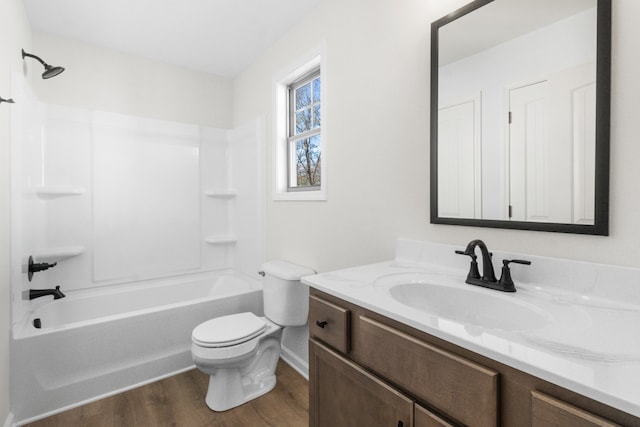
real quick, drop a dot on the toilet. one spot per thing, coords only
(240, 351)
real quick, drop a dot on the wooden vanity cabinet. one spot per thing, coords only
(368, 370)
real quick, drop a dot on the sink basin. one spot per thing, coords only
(478, 307)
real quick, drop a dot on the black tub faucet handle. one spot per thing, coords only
(34, 267)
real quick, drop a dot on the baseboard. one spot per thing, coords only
(295, 362)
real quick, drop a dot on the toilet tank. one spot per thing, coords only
(286, 299)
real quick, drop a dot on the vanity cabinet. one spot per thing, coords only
(369, 370)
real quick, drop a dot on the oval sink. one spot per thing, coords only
(478, 307)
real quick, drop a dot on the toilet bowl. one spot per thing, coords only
(240, 351)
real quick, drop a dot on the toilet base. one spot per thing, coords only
(224, 398)
(232, 386)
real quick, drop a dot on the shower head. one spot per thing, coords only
(49, 71)
(9, 101)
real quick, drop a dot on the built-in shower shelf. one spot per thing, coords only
(58, 253)
(221, 240)
(221, 194)
(52, 191)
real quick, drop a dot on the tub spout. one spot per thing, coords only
(37, 293)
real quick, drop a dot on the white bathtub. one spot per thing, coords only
(95, 343)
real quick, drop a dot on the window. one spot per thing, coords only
(299, 143)
(304, 126)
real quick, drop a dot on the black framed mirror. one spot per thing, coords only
(520, 115)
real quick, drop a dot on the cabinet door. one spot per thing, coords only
(550, 412)
(426, 418)
(341, 394)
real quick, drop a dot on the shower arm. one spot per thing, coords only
(24, 54)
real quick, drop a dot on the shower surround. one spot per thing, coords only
(118, 201)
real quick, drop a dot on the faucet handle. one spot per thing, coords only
(506, 262)
(474, 273)
(34, 267)
(506, 282)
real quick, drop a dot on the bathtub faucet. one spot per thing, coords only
(34, 267)
(37, 293)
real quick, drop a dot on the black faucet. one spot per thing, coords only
(488, 278)
(37, 293)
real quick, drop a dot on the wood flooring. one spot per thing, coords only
(179, 401)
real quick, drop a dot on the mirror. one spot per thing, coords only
(520, 102)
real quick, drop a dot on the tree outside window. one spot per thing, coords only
(305, 121)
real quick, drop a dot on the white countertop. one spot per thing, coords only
(580, 339)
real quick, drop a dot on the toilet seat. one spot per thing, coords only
(226, 331)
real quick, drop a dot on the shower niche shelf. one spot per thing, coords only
(221, 194)
(58, 253)
(54, 191)
(221, 240)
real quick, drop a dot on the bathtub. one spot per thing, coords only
(99, 342)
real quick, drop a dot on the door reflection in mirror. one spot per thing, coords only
(516, 90)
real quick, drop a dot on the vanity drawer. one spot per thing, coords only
(548, 411)
(461, 389)
(330, 323)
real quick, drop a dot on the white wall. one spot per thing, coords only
(377, 85)
(15, 34)
(376, 124)
(107, 80)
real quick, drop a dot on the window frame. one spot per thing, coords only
(282, 80)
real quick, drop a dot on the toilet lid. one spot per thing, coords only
(228, 330)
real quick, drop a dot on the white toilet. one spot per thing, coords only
(240, 351)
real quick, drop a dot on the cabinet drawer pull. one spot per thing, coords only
(321, 324)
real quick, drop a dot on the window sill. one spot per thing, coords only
(313, 195)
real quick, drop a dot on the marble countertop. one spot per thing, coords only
(574, 337)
